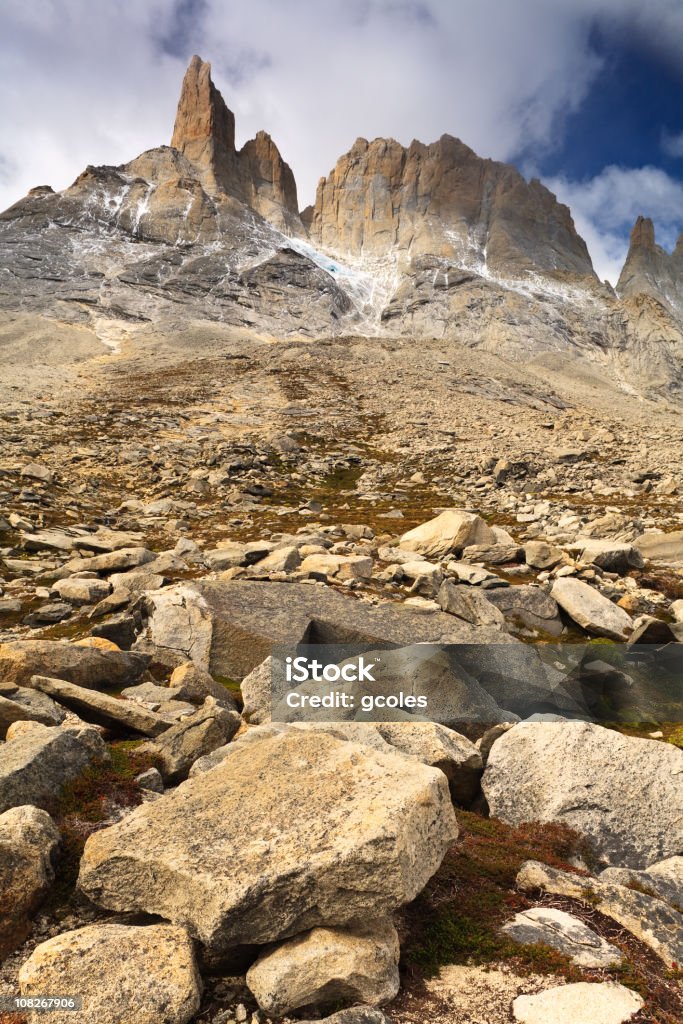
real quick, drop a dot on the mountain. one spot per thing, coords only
(425, 241)
(444, 200)
(651, 270)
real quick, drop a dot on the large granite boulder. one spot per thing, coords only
(298, 830)
(624, 794)
(452, 530)
(229, 628)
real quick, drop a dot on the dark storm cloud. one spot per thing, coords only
(184, 28)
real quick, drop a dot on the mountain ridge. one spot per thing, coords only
(428, 240)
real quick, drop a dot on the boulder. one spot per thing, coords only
(612, 555)
(19, 707)
(469, 604)
(257, 694)
(650, 919)
(563, 932)
(36, 763)
(100, 708)
(82, 591)
(433, 744)
(285, 559)
(581, 1003)
(195, 735)
(529, 606)
(122, 972)
(86, 666)
(112, 561)
(328, 965)
(591, 610)
(428, 680)
(229, 628)
(295, 831)
(194, 684)
(493, 554)
(135, 582)
(664, 548)
(28, 841)
(663, 880)
(623, 794)
(451, 531)
(540, 555)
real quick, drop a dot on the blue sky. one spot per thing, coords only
(585, 94)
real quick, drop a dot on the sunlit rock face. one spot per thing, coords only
(444, 200)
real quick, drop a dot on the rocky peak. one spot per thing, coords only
(444, 200)
(204, 128)
(651, 270)
(204, 133)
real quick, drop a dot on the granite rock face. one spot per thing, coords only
(651, 270)
(429, 241)
(204, 133)
(443, 199)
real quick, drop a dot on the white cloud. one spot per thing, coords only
(86, 82)
(672, 145)
(606, 207)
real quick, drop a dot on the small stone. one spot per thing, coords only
(581, 1003)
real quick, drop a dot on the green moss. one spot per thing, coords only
(88, 802)
(457, 918)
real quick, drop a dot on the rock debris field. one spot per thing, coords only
(165, 521)
(411, 420)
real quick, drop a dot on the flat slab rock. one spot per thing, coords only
(295, 831)
(591, 610)
(581, 1003)
(100, 707)
(565, 933)
(651, 920)
(624, 794)
(230, 627)
(663, 880)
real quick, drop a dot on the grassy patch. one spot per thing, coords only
(456, 920)
(89, 803)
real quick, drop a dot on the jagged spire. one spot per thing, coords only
(204, 126)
